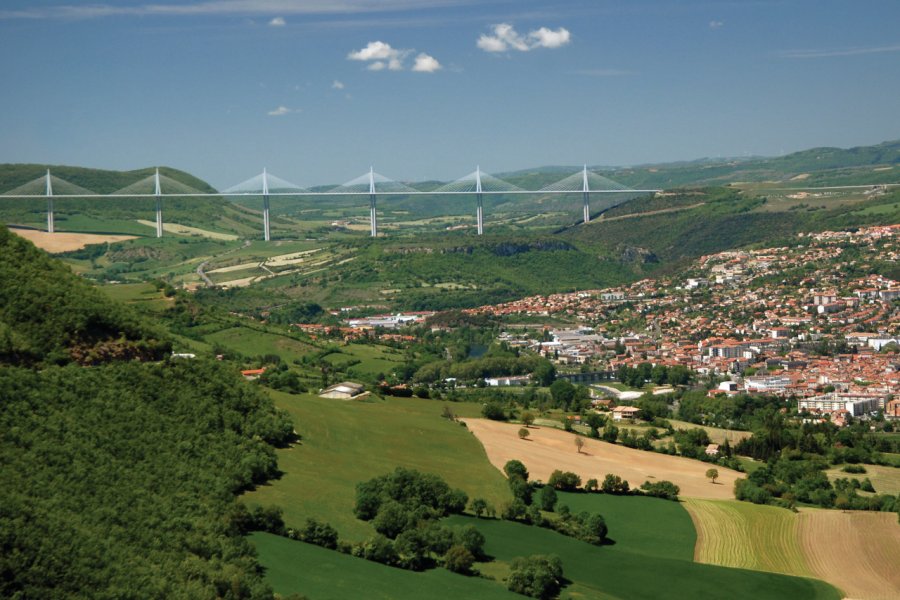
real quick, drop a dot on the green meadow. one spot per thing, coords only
(372, 360)
(252, 342)
(640, 523)
(297, 568)
(347, 442)
(631, 573)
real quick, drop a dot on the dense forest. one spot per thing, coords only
(119, 480)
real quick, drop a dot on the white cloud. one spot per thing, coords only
(716, 24)
(426, 64)
(381, 56)
(504, 37)
(374, 51)
(278, 22)
(337, 85)
(548, 38)
(281, 111)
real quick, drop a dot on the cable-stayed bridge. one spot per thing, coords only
(370, 184)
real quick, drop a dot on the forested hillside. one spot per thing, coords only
(49, 316)
(119, 480)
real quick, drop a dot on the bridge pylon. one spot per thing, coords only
(586, 195)
(267, 233)
(51, 226)
(373, 217)
(158, 193)
(479, 199)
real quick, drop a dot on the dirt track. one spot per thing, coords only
(65, 242)
(548, 449)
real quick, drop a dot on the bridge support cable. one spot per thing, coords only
(51, 225)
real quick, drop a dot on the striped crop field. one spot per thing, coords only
(749, 536)
(855, 551)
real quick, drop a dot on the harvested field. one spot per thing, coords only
(66, 242)
(854, 550)
(186, 230)
(549, 449)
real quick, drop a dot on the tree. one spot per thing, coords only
(458, 559)
(548, 498)
(527, 418)
(536, 576)
(523, 433)
(544, 373)
(613, 484)
(610, 433)
(479, 506)
(579, 443)
(515, 468)
(712, 474)
(565, 481)
(563, 393)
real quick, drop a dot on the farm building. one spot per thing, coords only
(346, 390)
(625, 412)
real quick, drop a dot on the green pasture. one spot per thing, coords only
(640, 524)
(612, 573)
(143, 296)
(293, 567)
(251, 342)
(373, 359)
(885, 480)
(347, 442)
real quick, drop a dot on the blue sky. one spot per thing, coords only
(317, 90)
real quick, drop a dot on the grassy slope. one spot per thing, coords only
(610, 572)
(345, 443)
(295, 567)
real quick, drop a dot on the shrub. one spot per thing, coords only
(661, 489)
(493, 411)
(458, 559)
(613, 484)
(564, 480)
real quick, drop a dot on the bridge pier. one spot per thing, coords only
(51, 225)
(158, 193)
(373, 216)
(586, 196)
(267, 232)
(479, 213)
(479, 201)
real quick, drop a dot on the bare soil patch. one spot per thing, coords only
(66, 242)
(856, 551)
(549, 449)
